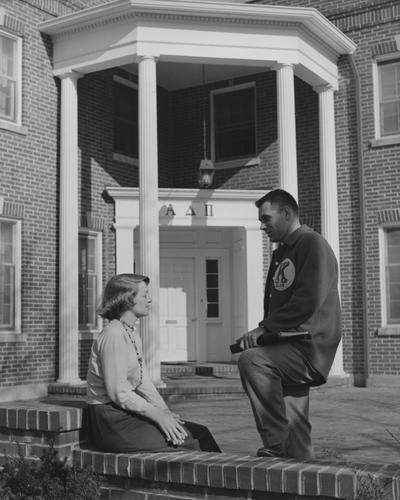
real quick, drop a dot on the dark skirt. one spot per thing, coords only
(112, 429)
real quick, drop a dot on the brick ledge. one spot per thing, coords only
(237, 472)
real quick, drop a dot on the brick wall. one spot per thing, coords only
(29, 177)
(32, 160)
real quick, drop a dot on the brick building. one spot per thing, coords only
(299, 94)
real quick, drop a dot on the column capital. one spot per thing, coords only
(279, 65)
(71, 73)
(324, 87)
(150, 57)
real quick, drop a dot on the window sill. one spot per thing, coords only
(12, 337)
(387, 331)
(385, 141)
(241, 162)
(125, 159)
(12, 127)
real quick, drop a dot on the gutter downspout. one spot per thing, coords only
(365, 324)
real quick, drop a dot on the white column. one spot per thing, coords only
(124, 247)
(69, 293)
(287, 128)
(149, 252)
(254, 279)
(328, 179)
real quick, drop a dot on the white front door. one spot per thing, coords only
(177, 309)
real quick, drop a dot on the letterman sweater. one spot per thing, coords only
(301, 293)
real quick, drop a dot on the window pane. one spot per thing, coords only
(91, 301)
(390, 117)
(393, 237)
(393, 246)
(91, 256)
(7, 64)
(389, 96)
(88, 280)
(7, 77)
(7, 285)
(6, 243)
(82, 253)
(235, 129)
(394, 289)
(7, 93)
(212, 295)
(211, 266)
(393, 274)
(395, 311)
(388, 81)
(212, 311)
(212, 280)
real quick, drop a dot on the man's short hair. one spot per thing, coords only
(119, 294)
(281, 198)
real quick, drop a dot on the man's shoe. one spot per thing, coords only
(267, 452)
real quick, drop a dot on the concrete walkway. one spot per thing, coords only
(350, 424)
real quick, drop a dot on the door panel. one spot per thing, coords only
(177, 309)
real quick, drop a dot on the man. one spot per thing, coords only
(300, 294)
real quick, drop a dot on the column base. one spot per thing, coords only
(70, 381)
(160, 384)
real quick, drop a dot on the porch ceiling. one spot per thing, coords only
(232, 38)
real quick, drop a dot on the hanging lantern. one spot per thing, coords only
(206, 173)
(206, 169)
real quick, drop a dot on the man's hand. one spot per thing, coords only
(249, 339)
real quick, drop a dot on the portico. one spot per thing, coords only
(290, 41)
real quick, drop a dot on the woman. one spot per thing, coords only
(126, 412)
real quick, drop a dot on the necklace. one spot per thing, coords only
(129, 330)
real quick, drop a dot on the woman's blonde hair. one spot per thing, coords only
(119, 293)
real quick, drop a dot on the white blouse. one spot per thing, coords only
(114, 372)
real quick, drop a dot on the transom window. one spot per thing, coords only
(125, 117)
(89, 279)
(392, 275)
(234, 116)
(9, 276)
(10, 62)
(389, 98)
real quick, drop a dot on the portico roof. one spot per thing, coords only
(197, 32)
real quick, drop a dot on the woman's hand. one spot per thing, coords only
(170, 425)
(177, 418)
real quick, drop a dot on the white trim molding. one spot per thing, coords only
(120, 32)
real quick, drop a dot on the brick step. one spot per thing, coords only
(182, 387)
(189, 387)
(190, 369)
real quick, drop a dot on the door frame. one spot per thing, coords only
(199, 288)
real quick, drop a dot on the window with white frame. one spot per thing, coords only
(10, 77)
(392, 274)
(125, 118)
(388, 112)
(234, 123)
(10, 276)
(90, 281)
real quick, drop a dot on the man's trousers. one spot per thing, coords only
(277, 379)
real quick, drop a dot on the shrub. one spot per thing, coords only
(49, 478)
